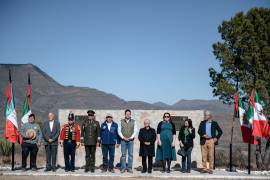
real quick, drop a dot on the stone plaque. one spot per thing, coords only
(178, 121)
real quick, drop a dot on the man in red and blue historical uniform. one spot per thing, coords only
(70, 140)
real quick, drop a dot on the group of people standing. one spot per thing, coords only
(109, 135)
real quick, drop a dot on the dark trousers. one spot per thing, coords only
(150, 163)
(32, 149)
(69, 155)
(51, 154)
(186, 160)
(108, 149)
(90, 156)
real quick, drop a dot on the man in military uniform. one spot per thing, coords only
(70, 139)
(90, 137)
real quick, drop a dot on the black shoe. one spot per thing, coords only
(188, 171)
(92, 170)
(54, 169)
(168, 170)
(183, 171)
(143, 171)
(204, 171)
(72, 170)
(149, 171)
(47, 169)
(86, 170)
(163, 170)
(112, 170)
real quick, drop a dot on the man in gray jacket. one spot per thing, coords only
(51, 131)
(32, 136)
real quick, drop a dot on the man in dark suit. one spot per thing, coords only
(51, 131)
(209, 132)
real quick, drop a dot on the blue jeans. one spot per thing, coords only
(186, 160)
(126, 146)
(108, 149)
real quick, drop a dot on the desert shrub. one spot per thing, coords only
(5, 147)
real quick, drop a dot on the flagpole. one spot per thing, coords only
(232, 140)
(250, 129)
(233, 127)
(13, 144)
(12, 162)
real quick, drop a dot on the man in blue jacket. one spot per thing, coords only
(109, 139)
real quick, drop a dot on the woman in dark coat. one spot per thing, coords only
(147, 138)
(185, 137)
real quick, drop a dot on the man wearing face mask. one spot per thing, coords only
(70, 140)
(90, 137)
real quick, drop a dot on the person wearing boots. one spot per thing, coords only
(90, 138)
(70, 141)
(166, 137)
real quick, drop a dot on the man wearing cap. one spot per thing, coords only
(109, 139)
(70, 139)
(32, 135)
(90, 138)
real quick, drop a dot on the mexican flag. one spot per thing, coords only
(11, 129)
(26, 106)
(246, 126)
(260, 123)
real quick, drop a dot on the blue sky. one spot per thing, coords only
(149, 50)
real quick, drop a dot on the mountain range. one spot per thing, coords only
(49, 95)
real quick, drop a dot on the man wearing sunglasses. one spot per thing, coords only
(90, 138)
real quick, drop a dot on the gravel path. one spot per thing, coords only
(60, 174)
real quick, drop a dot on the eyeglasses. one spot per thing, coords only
(166, 116)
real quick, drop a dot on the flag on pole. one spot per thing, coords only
(26, 107)
(246, 125)
(236, 103)
(260, 123)
(11, 129)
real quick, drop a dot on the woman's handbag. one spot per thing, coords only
(181, 151)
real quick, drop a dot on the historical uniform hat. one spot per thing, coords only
(71, 117)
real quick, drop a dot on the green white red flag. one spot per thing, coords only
(11, 132)
(26, 107)
(260, 123)
(244, 117)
